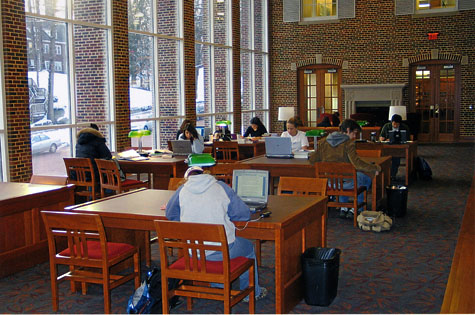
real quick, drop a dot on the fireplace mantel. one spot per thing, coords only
(371, 92)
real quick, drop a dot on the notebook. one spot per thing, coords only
(181, 147)
(396, 137)
(279, 147)
(252, 187)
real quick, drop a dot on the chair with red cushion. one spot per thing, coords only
(91, 264)
(198, 272)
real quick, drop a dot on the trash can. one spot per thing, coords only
(320, 268)
(397, 200)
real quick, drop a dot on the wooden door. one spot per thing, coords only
(436, 98)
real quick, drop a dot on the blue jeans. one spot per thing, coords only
(363, 180)
(240, 247)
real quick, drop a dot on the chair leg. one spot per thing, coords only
(258, 252)
(137, 268)
(227, 299)
(148, 251)
(252, 283)
(54, 286)
(189, 303)
(107, 291)
(165, 305)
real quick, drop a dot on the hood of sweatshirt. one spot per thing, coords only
(87, 135)
(336, 138)
(198, 184)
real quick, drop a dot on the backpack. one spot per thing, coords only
(375, 221)
(147, 299)
(423, 169)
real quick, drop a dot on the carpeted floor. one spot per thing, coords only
(404, 270)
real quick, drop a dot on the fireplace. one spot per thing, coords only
(372, 99)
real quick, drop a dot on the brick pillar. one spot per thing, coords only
(236, 51)
(16, 90)
(189, 59)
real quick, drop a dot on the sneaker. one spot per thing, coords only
(350, 213)
(343, 212)
(259, 297)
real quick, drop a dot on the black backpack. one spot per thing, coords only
(423, 169)
(147, 299)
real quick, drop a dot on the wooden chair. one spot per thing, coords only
(109, 175)
(224, 171)
(337, 173)
(48, 180)
(302, 186)
(226, 151)
(80, 172)
(196, 271)
(93, 262)
(175, 182)
(369, 153)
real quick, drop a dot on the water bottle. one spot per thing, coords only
(373, 136)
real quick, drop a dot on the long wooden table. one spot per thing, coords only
(247, 149)
(296, 224)
(407, 150)
(161, 169)
(303, 168)
(23, 242)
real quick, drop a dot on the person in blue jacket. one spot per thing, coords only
(203, 199)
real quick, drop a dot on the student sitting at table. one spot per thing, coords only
(197, 141)
(340, 147)
(182, 128)
(299, 139)
(203, 199)
(256, 129)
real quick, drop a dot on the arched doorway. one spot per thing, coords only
(435, 97)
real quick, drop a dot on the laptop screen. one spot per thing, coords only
(181, 147)
(278, 146)
(397, 136)
(251, 185)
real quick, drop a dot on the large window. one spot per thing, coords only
(156, 68)
(435, 5)
(254, 62)
(213, 61)
(315, 9)
(69, 62)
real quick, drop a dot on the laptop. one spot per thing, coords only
(181, 147)
(252, 186)
(278, 147)
(396, 137)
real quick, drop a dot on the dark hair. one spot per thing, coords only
(295, 121)
(396, 118)
(256, 121)
(349, 124)
(184, 123)
(191, 129)
(94, 126)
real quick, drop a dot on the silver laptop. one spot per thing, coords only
(279, 147)
(252, 186)
(181, 147)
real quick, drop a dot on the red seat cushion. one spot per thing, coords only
(211, 266)
(131, 182)
(94, 249)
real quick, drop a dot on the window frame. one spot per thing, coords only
(318, 18)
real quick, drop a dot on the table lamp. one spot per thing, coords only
(400, 110)
(201, 160)
(284, 114)
(315, 133)
(139, 134)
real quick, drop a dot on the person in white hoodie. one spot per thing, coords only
(203, 199)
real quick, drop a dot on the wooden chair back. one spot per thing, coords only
(48, 180)
(192, 240)
(109, 175)
(224, 171)
(302, 186)
(369, 153)
(87, 247)
(338, 173)
(175, 182)
(226, 151)
(80, 172)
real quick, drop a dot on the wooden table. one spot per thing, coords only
(161, 169)
(407, 150)
(247, 149)
(303, 168)
(296, 223)
(23, 242)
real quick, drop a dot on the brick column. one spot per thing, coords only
(236, 30)
(16, 90)
(189, 59)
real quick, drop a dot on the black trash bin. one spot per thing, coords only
(320, 268)
(397, 200)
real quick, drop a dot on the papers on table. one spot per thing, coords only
(131, 155)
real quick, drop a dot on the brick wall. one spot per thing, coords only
(374, 44)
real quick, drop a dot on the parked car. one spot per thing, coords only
(43, 143)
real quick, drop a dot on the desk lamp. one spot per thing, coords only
(315, 133)
(223, 125)
(201, 160)
(362, 123)
(139, 134)
(285, 113)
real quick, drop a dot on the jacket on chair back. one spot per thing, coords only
(92, 144)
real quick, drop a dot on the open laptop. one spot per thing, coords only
(181, 147)
(396, 137)
(278, 147)
(252, 186)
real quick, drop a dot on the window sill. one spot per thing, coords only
(422, 14)
(331, 20)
